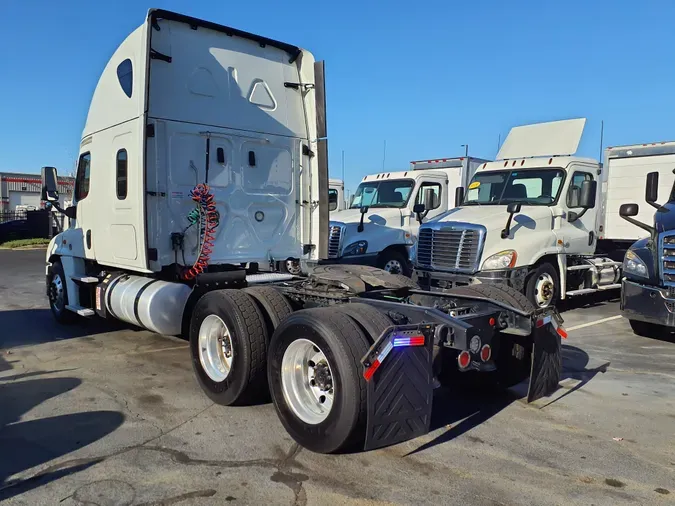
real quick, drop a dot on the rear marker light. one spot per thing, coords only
(491, 321)
(368, 373)
(485, 353)
(397, 342)
(409, 341)
(464, 360)
(558, 328)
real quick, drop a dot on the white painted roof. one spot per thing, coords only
(554, 138)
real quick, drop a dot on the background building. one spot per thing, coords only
(18, 189)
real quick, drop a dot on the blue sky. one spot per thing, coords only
(427, 76)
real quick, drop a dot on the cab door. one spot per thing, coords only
(579, 235)
(433, 193)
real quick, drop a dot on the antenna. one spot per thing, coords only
(602, 133)
(384, 154)
(499, 142)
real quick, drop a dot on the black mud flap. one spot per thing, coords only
(400, 388)
(546, 356)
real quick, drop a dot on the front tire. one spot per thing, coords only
(228, 344)
(57, 294)
(394, 262)
(543, 286)
(316, 381)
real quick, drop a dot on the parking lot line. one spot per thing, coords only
(162, 349)
(596, 322)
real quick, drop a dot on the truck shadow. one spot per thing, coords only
(470, 403)
(34, 326)
(30, 443)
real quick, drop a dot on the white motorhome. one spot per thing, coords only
(336, 195)
(380, 226)
(540, 219)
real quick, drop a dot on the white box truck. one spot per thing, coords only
(542, 220)
(202, 163)
(380, 226)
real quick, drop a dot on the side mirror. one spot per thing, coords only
(419, 208)
(364, 209)
(430, 199)
(459, 196)
(513, 207)
(332, 201)
(50, 185)
(587, 194)
(652, 189)
(628, 210)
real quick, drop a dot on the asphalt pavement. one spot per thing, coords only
(100, 413)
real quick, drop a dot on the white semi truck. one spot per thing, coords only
(202, 165)
(380, 226)
(336, 195)
(541, 220)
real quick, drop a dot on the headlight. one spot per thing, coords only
(501, 260)
(355, 248)
(633, 264)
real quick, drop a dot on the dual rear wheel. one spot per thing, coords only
(246, 343)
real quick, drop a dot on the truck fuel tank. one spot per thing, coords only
(150, 303)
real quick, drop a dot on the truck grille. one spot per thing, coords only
(451, 249)
(335, 241)
(667, 254)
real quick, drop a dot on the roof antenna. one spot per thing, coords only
(602, 133)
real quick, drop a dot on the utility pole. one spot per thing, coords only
(466, 150)
(384, 154)
(343, 166)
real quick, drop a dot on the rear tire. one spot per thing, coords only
(337, 338)
(57, 294)
(646, 329)
(228, 343)
(371, 321)
(274, 306)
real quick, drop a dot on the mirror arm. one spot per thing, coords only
(507, 228)
(655, 205)
(577, 216)
(63, 211)
(637, 223)
(360, 227)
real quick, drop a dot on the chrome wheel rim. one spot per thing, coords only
(544, 289)
(393, 267)
(56, 293)
(216, 352)
(293, 267)
(307, 381)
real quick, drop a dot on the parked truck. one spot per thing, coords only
(380, 227)
(202, 164)
(336, 195)
(539, 219)
(648, 286)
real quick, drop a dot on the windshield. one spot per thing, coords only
(537, 187)
(387, 193)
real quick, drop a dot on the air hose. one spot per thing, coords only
(206, 216)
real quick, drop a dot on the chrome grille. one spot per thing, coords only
(335, 241)
(667, 254)
(452, 249)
